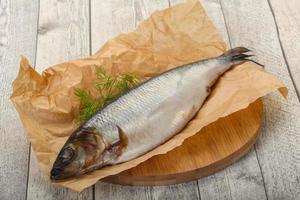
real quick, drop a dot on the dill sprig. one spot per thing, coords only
(108, 88)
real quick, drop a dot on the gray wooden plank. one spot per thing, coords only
(123, 16)
(242, 180)
(63, 34)
(287, 17)
(250, 23)
(108, 19)
(245, 175)
(183, 191)
(114, 192)
(18, 25)
(180, 191)
(39, 186)
(215, 187)
(214, 11)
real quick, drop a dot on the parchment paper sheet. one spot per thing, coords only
(171, 37)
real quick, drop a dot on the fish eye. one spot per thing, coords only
(68, 154)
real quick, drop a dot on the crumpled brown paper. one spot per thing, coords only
(171, 37)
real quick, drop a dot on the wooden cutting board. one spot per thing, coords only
(215, 147)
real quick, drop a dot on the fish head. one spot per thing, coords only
(83, 152)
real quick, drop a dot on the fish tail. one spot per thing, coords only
(237, 56)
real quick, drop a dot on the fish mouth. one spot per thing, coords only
(59, 174)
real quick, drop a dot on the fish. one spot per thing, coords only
(144, 117)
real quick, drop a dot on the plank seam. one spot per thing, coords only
(259, 165)
(93, 192)
(90, 52)
(282, 50)
(228, 36)
(147, 189)
(134, 13)
(90, 27)
(262, 175)
(197, 181)
(198, 189)
(226, 27)
(35, 55)
(28, 168)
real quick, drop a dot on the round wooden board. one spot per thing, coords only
(212, 149)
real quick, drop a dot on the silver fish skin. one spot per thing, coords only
(147, 115)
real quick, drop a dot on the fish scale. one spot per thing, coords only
(144, 117)
(155, 111)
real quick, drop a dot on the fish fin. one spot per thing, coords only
(236, 51)
(119, 147)
(237, 55)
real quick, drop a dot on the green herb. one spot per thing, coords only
(108, 87)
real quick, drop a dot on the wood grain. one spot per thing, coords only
(214, 11)
(64, 28)
(180, 191)
(117, 17)
(250, 23)
(114, 192)
(108, 19)
(18, 21)
(287, 18)
(63, 34)
(184, 191)
(215, 147)
(244, 175)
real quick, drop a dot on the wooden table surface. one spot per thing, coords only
(53, 31)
